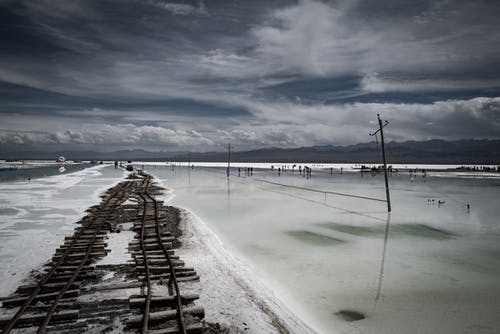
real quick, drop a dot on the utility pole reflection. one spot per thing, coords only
(382, 263)
(228, 185)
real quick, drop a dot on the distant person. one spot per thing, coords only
(468, 207)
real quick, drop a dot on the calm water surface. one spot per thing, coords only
(426, 268)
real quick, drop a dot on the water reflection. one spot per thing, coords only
(382, 262)
(228, 191)
(34, 172)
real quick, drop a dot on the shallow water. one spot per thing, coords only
(337, 261)
(25, 172)
(426, 268)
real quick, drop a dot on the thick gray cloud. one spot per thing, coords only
(194, 75)
(305, 124)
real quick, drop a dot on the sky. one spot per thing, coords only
(195, 75)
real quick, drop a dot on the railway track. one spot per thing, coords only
(54, 304)
(156, 261)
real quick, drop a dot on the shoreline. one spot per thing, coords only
(253, 307)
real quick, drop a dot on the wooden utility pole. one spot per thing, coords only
(381, 130)
(228, 172)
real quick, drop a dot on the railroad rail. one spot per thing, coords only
(70, 260)
(54, 303)
(155, 248)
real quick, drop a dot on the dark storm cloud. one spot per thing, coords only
(257, 73)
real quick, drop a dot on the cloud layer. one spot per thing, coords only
(177, 75)
(305, 125)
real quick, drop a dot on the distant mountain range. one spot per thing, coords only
(431, 151)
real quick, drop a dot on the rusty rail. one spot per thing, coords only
(147, 198)
(22, 310)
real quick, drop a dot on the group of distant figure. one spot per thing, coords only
(248, 171)
(304, 171)
(414, 173)
(440, 203)
(431, 201)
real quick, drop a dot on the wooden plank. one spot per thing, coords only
(71, 268)
(157, 256)
(186, 279)
(180, 276)
(152, 252)
(156, 269)
(80, 250)
(153, 240)
(150, 246)
(114, 286)
(136, 244)
(46, 288)
(33, 319)
(138, 226)
(80, 255)
(42, 297)
(68, 244)
(196, 311)
(162, 300)
(65, 277)
(167, 275)
(164, 262)
(85, 237)
(191, 329)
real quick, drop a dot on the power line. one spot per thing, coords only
(343, 211)
(321, 191)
